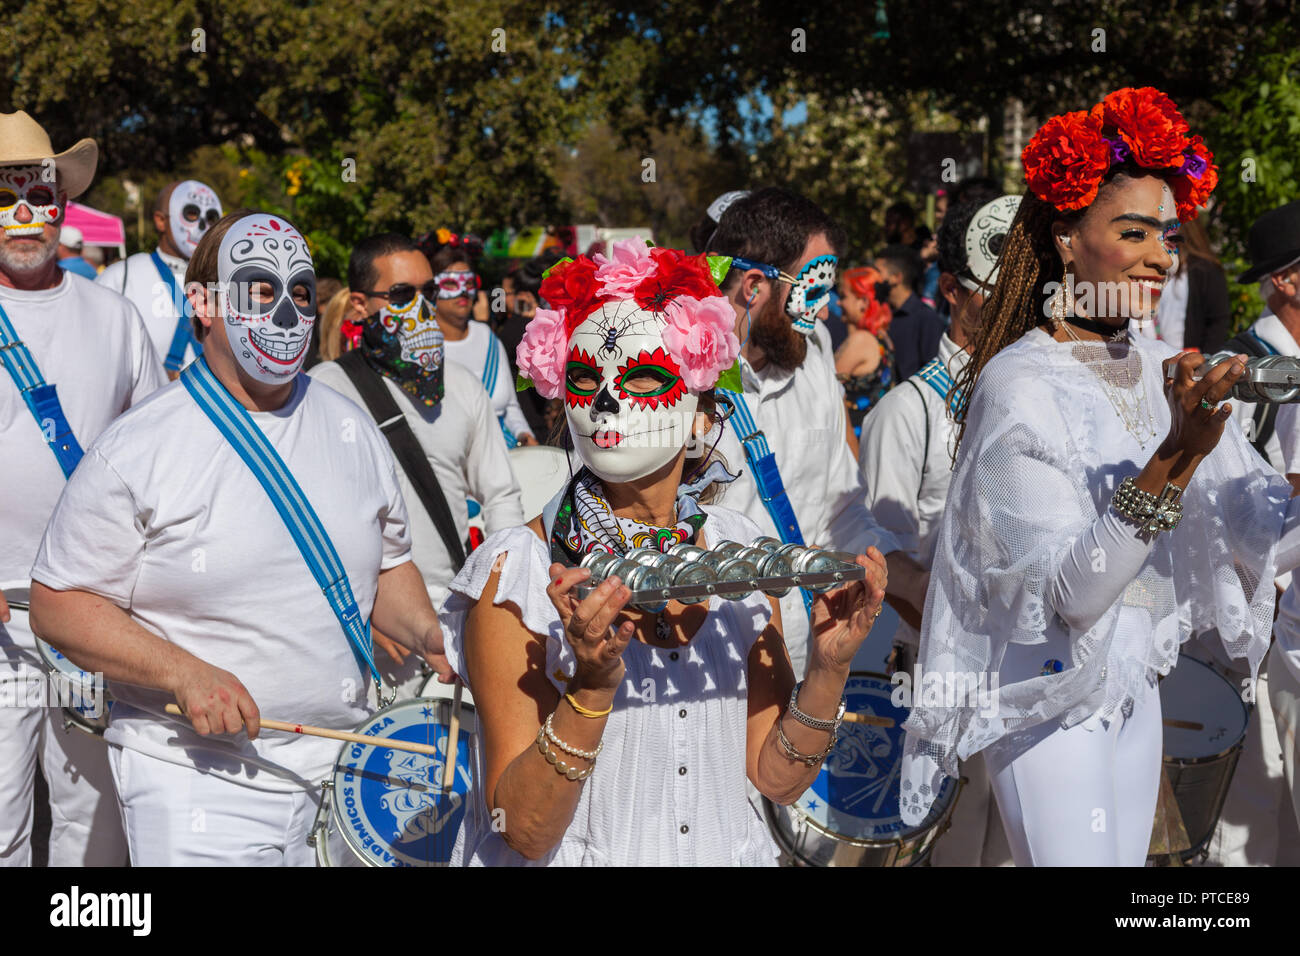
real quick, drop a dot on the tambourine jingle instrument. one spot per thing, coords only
(1268, 378)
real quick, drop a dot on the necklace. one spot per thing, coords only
(1127, 397)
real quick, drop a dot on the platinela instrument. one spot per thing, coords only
(1268, 378)
(729, 570)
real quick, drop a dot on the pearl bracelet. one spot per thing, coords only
(562, 768)
(569, 748)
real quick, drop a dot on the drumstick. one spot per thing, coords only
(453, 741)
(872, 719)
(390, 742)
(1183, 724)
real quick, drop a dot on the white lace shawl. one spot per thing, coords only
(1044, 451)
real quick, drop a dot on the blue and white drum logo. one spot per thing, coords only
(856, 792)
(393, 807)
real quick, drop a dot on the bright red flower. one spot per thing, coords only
(1066, 160)
(676, 274)
(572, 288)
(1149, 123)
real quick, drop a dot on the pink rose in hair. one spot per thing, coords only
(700, 335)
(629, 266)
(542, 352)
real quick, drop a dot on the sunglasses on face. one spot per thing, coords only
(192, 213)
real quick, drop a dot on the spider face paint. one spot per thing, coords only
(629, 411)
(22, 187)
(811, 292)
(453, 285)
(192, 210)
(267, 295)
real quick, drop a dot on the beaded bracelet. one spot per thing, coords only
(562, 768)
(569, 748)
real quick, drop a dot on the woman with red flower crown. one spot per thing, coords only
(610, 735)
(1107, 505)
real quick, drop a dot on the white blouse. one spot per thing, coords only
(670, 786)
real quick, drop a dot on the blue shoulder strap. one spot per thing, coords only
(252, 445)
(491, 366)
(183, 335)
(935, 374)
(42, 399)
(767, 476)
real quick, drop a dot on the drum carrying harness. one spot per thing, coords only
(41, 397)
(251, 444)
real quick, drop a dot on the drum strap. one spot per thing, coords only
(42, 399)
(183, 335)
(767, 477)
(252, 445)
(491, 366)
(406, 449)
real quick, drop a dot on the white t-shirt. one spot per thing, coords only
(137, 278)
(164, 519)
(465, 447)
(472, 353)
(91, 345)
(801, 413)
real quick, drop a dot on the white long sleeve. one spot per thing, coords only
(1100, 564)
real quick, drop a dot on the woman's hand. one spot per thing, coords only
(1194, 429)
(842, 618)
(588, 626)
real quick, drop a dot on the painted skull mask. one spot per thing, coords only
(628, 409)
(811, 292)
(192, 210)
(26, 187)
(268, 296)
(417, 330)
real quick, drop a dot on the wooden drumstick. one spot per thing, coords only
(453, 741)
(872, 719)
(1183, 724)
(391, 743)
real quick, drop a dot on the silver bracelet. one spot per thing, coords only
(562, 768)
(1151, 513)
(569, 748)
(831, 726)
(808, 760)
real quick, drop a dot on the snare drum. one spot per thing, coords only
(82, 695)
(1200, 763)
(386, 807)
(850, 816)
(541, 471)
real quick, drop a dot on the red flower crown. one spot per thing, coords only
(1070, 155)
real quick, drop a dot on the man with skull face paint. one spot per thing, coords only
(169, 567)
(691, 702)
(90, 345)
(182, 214)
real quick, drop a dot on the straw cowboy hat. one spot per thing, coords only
(23, 142)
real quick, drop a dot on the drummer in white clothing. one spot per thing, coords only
(444, 405)
(182, 213)
(667, 713)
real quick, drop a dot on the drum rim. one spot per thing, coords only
(1231, 748)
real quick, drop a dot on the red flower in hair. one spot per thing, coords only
(675, 274)
(571, 288)
(1066, 160)
(1149, 123)
(1190, 191)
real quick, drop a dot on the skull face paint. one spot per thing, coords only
(811, 292)
(453, 285)
(192, 210)
(22, 187)
(267, 296)
(629, 411)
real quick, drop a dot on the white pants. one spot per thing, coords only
(1285, 700)
(177, 816)
(86, 829)
(1085, 796)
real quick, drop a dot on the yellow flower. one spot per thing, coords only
(444, 236)
(295, 181)
(244, 174)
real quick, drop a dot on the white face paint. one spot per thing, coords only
(192, 210)
(23, 187)
(262, 264)
(629, 411)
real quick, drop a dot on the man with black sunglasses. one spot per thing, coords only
(154, 281)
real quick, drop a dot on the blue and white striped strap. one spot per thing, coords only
(490, 365)
(251, 444)
(183, 335)
(42, 399)
(935, 374)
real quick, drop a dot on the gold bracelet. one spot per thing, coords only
(588, 713)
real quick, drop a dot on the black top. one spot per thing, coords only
(915, 330)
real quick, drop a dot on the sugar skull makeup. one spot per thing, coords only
(811, 292)
(268, 296)
(453, 285)
(23, 187)
(629, 411)
(192, 210)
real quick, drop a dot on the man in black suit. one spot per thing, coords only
(915, 328)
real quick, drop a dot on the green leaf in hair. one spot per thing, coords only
(557, 265)
(730, 379)
(719, 266)
(522, 384)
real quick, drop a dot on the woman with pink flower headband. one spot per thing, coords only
(611, 735)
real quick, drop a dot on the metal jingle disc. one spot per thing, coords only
(734, 571)
(692, 573)
(767, 544)
(687, 552)
(640, 577)
(814, 561)
(728, 548)
(599, 563)
(769, 565)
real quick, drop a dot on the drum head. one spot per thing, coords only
(389, 805)
(856, 793)
(1195, 693)
(541, 472)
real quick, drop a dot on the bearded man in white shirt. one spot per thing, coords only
(906, 457)
(225, 546)
(444, 405)
(182, 213)
(783, 250)
(91, 346)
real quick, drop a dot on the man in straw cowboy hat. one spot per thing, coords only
(74, 356)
